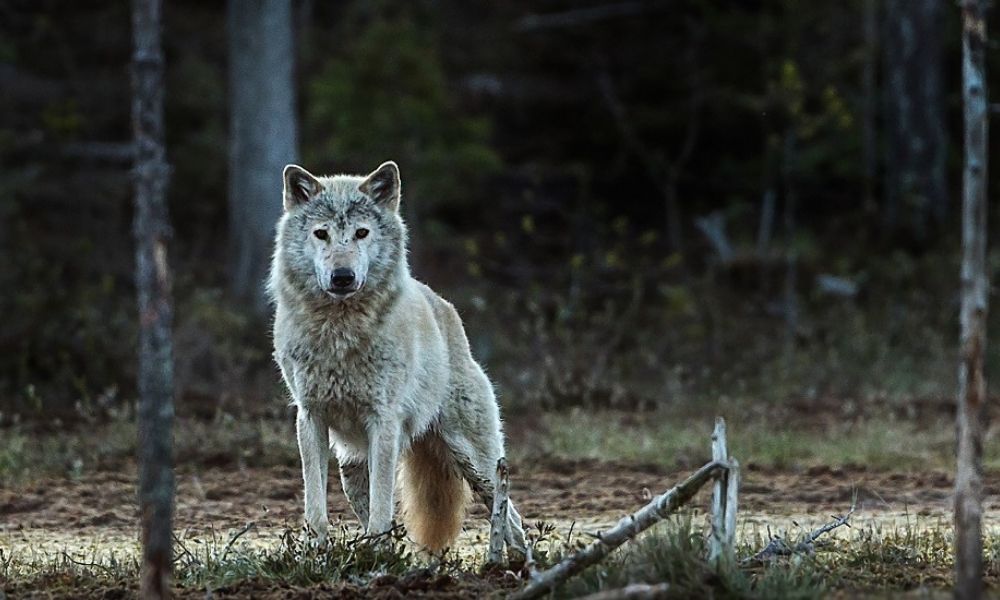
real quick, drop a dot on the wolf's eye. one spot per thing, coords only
(321, 234)
(361, 233)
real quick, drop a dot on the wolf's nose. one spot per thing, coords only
(342, 278)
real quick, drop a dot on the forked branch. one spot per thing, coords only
(626, 529)
(779, 547)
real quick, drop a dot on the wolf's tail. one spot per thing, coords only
(434, 495)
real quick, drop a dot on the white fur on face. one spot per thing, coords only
(341, 248)
(306, 263)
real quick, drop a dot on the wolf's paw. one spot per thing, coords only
(317, 538)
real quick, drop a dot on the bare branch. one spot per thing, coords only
(250, 525)
(713, 226)
(626, 529)
(110, 152)
(779, 547)
(581, 16)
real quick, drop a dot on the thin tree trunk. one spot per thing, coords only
(916, 192)
(152, 234)
(869, 138)
(791, 251)
(263, 135)
(975, 286)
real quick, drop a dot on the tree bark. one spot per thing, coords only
(916, 194)
(975, 288)
(870, 103)
(152, 235)
(263, 136)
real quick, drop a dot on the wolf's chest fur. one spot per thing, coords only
(341, 374)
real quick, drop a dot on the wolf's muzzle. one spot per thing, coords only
(343, 281)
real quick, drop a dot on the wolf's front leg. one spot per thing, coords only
(383, 455)
(314, 449)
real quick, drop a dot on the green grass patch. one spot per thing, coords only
(27, 454)
(676, 554)
(671, 440)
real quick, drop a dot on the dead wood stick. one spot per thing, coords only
(779, 547)
(498, 518)
(635, 591)
(732, 499)
(626, 529)
(716, 545)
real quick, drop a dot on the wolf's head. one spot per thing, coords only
(339, 236)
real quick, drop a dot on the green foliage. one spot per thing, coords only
(70, 341)
(386, 96)
(26, 453)
(678, 440)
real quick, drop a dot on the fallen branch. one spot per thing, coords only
(779, 547)
(629, 527)
(635, 591)
(250, 525)
(498, 519)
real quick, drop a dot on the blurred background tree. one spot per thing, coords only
(263, 135)
(386, 94)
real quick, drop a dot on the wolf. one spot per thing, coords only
(378, 365)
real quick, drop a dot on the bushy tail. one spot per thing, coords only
(434, 495)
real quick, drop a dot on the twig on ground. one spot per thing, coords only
(250, 525)
(108, 570)
(779, 547)
(626, 529)
(184, 552)
(635, 591)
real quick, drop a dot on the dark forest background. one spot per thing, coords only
(632, 204)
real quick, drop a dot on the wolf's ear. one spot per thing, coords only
(383, 185)
(300, 186)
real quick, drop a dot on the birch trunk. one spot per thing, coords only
(152, 235)
(975, 285)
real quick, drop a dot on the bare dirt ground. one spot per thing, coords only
(103, 504)
(86, 517)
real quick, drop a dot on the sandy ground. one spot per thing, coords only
(87, 517)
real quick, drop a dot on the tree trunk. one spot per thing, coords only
(152, 234)
(263, 136)
(975, 287)
(916, 191)
(869, 107)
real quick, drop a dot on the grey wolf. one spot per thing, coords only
(378, 365)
